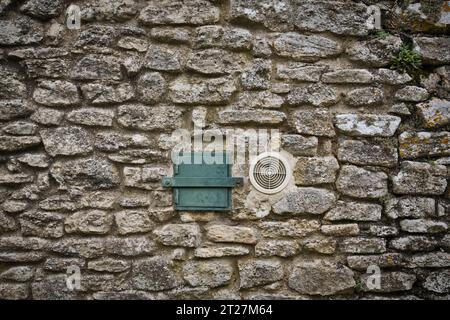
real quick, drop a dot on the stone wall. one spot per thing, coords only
(86, 118)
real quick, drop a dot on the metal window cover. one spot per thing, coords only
(202, 186)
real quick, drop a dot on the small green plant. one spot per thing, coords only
(407, 60)
(382, 34)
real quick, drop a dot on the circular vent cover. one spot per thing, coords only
(269, 172)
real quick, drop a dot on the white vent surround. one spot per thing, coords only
(269, 172)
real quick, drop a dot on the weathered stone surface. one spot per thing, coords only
(256, 75)
(365, 152)
(21, 257)
(420, 178)
(320, 244)
(14, 206)
(438, 281)
(133, 43)
(126, 295)
(52, 287)
(350, 229)
(305, 48)
(337, 17)
(361, 183)
(16, 243)
(149, 118)
(434, 51)
(224, 233)
(254, 273)
(89, 222)
(12, 178)
(62, 264)
(200, 91)
(383, 231)
(97, 67)
(221, 251)
(109, 265)
(314, 121)
(429, 260)
(12, 85)
(66, 141)
(12, 109)
(319, 95)
(130, 246)
(133, 221)
(20, 31)
(356, 211)
(18, 274)
(210, 273)
(106, 10)
(412, 94)
(290, 228)
(280, 248)
(214, 36)
(272, 14)
(377, 52)
(42, 9)
(92, 173)
(47, 116)
(48, 68)
(212, 62)
(392, 77)
(368, 125)
(85, 248)
(154, 274)
(143, 178)
(95, 38)
(390, 282)
(363, 245)
(237, 116)
(113, 141)
(413, 243)
(261, 47)
(365, 97)
(348, 76)
(320, 277)
(7, 223)
(171, 34)
(183, 235)
(435, 113)
(42, 224)
(162, 58)
(424, 144)
(385, 260)
(10, 143)
(92, 117)
(56, 93)
(299, 71)
(193, 12)
(151, 87)
(304, 201)
(259, 99)
(95, 199)
(107, 92)
(423, 226)
(400, 109)
(315, 170)
(14, 291)
(20, 128)
(412, 207)
(299, 145)
(137, 156)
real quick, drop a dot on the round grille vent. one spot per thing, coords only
(269, 172)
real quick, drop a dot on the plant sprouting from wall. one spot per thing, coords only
(407, 60)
